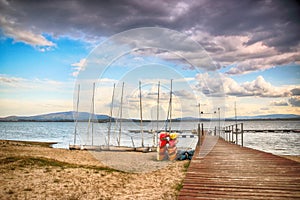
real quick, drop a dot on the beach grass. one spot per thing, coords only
(23, 161)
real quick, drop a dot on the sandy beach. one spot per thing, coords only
(36, 171)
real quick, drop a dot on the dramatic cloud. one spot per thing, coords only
(254, 35)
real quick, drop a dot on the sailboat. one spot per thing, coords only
(91, 124)
(108, 146)
(167, 145)
(142, 148)
(74, 146)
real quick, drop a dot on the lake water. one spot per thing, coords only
(280, 143)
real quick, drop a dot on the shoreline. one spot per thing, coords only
(50, 145)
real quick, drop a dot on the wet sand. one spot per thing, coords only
(36, 171)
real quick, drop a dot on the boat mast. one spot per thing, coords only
(77, 114)
(157, 112)
(235, 112)
(141, 114)
(170, 107)
(110, 114)
(121, 108)
(92, 115)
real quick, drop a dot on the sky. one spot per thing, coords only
(218, 53)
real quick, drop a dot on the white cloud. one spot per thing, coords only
(228, 86)
(259, 87)
(11, 29)
(19, 83)
(79, 66)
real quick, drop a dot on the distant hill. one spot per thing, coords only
(84, 116)
(272, 116)
(59, 116)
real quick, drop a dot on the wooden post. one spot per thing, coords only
(242, 132)
(215, 130)
(231, 135)
(232, 131)
(199, 135)
(229, 139)
(202, 130)
(236, 133)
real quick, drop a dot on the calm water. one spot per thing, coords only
(282, 143)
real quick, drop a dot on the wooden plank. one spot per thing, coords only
(230, 171)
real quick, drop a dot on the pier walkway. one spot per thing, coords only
(221, 170)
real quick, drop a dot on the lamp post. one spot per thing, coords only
(214, 112)
(199, 113)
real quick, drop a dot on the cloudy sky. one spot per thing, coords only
(254, 47)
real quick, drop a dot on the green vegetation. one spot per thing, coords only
(179, 186)
(186, 165)
(22, 161)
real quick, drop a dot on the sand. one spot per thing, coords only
(35, 171)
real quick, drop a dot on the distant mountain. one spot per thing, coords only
(272, 116)
(59, 116)
(190, 119)
(84, 116)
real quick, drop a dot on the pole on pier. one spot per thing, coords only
(242, 132)
(202, 130)
(236, 133)
(219, 122)
(232, 131)
(230, 134)
(199, 135)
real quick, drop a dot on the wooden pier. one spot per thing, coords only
(229, 171)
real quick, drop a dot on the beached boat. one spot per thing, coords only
(108, 148)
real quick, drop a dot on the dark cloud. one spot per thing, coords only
(296, 92)
(274, 24)
(294, 101)
(279, 103)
